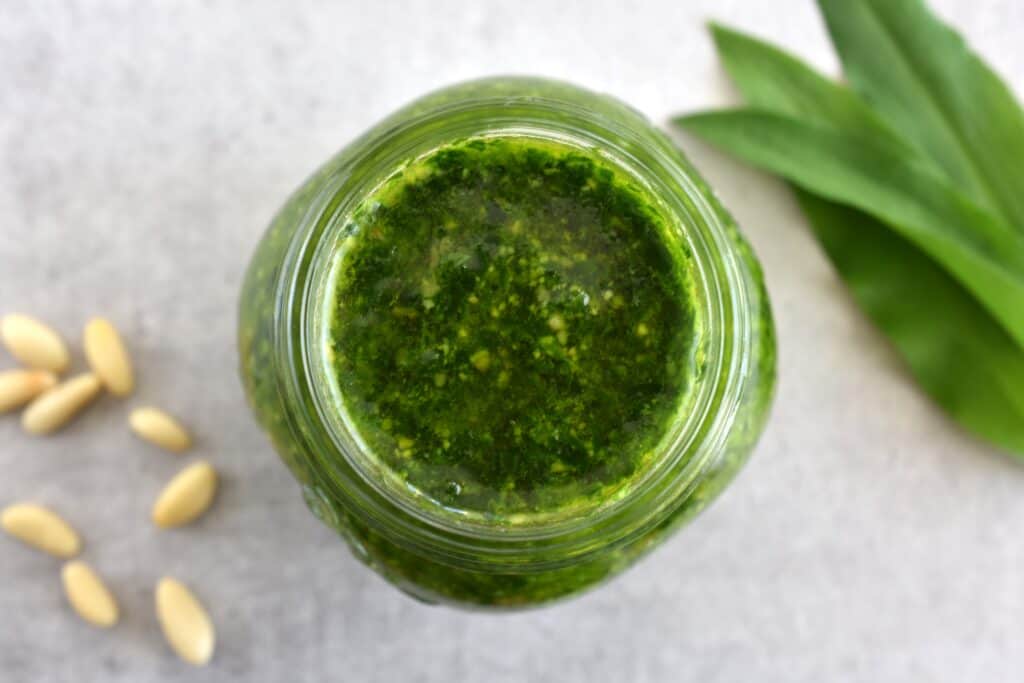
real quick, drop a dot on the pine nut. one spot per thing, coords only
(88, 595)
(186, 497)
(53, 409)
(185, 622)
(18, 387)
(108, 357)
(41, 528)
(33, 343)
(159, 428)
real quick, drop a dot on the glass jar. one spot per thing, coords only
(447, 559)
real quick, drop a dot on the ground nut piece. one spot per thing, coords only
(53, 409)
(157, 427)
(88, 595)
(41, 528)
(186, 497)
(34, 343)
(184, 621)
(108, 357)
(18, 387)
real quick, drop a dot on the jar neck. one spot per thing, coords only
(583, 120)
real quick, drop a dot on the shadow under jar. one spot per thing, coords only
(507, 341)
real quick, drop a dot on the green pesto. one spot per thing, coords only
(512, 328)
(285, 389)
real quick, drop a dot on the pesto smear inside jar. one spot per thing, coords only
(511, 330)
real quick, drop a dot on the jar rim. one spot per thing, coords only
(646, 156)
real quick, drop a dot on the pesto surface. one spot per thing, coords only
(511, 328)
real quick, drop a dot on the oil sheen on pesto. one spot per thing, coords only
(511, 328)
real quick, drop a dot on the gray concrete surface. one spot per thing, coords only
(144, 147)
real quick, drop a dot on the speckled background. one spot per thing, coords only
(144, 147)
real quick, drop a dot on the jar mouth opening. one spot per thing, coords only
(572, 503)
(693, 437)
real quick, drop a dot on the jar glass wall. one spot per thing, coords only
(503, 556)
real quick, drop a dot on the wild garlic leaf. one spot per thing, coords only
(956, 351)
(919, 75)
(859, 171)
(774, 80)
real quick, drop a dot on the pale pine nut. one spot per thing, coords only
(88, 595)
(108, 356)
(159, 428)
(186, 497)
(18, 387)
(185, 622)
(50, 411)
(34, 343)
(41, 528)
